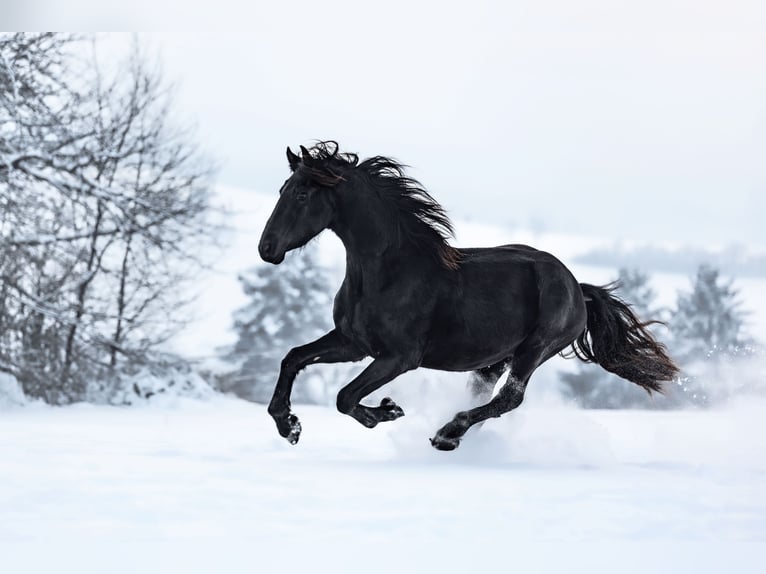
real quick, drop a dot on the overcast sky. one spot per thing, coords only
(637, 120)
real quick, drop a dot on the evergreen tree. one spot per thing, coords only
(290, 305)
(708, 322)
(635, 288)
(707, 330)
(593, 387)
(708, 327)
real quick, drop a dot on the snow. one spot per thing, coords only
(11, 394)
(193, 486)
(168, 384)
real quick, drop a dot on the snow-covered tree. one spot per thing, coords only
(635, 288)
(709, 322)
(290, 304)
(708, 327)
(593, 387)
(103, 208)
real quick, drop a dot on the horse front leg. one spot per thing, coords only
(330, 348)
(377, 374)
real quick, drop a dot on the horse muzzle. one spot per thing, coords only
(270, 251)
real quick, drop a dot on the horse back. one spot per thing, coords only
(497, 297)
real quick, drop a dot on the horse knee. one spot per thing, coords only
(291, 362)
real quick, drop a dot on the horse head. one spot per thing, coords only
(306, 204)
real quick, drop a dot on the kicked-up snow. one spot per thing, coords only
(192, 486)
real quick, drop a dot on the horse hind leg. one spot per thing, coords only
(528, 356)
(481, 382)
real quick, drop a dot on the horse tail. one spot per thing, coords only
(620, 342)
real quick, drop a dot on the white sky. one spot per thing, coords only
(637, 120)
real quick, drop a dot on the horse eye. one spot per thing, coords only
(301, 196)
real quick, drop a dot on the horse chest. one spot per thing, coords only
(360, 323)
(366, 321)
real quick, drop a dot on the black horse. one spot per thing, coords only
(411, 300)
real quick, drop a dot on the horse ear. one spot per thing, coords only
(292, 159)
(306, 156)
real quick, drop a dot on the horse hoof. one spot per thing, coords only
(291, 429)
(391, 409)
(295, 430)
(443, 443)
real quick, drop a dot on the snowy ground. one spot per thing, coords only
(209, 486)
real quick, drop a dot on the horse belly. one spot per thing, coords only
(474, 346)
(483, 321)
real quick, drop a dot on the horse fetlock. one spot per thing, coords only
(448, 437)
(462, 419)
(365, 416)
(371, 416)
(278, 410)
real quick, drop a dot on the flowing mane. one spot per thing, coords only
(418, 218)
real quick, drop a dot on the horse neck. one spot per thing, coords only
(364, 237)
(371, 241)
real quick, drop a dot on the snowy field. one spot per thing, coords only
(195, 486)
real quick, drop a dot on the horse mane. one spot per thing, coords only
(418, 217)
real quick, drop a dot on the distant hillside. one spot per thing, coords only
(733, 260)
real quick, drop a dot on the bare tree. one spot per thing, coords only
(105, 206)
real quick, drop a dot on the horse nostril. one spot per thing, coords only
(264, 248)
(271, 249)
